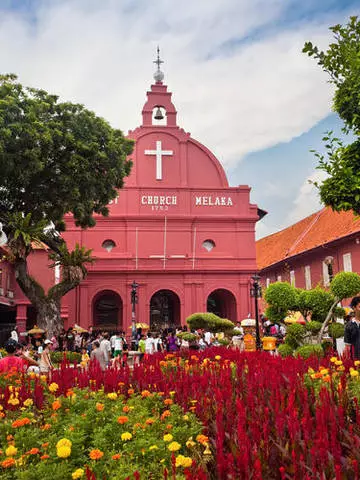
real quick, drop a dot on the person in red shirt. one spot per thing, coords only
(14, 360)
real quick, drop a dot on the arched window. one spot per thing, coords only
(108, 245)
(208, 245)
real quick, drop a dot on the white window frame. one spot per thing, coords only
(307, 277)
(267, 282)
(292, 278)
(347, 263)
(278, 278)
(326, 278)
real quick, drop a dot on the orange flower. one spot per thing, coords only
(96, 454)
(71, 428)
(169, 426)
(192, 409)
(327, 378)
(99, 407)
(131, 391)
(145, 393)
(203, 439)
(33, 451)
(21, 422)
(47, 426)
(69, 393)
(9, 462)
(149, 421)
(44, 457)
(117, 456)
(45, 445)
(9, 438)
(168, 401)
(126, 409)
(56, 405)
(165, 414)
(122, 419)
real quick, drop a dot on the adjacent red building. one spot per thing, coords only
(176, 228)
(308, 252)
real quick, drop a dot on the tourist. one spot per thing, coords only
(172, 342)
(14, 334)
(77, 341)
(149, 344)
(45, 364)
(112, 343)
(62, 340)
(118, 345)
(142, 347)
(85, 358)
(98, 355)
(202, 343)
(209, 338)
(105, 347)
(352, 331)
(70, 339)
(15, 359)
(159, 346)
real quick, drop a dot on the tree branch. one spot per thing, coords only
(68, 283)
(31, 288)
(327, 320)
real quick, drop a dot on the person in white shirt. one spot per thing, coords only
(158, 343)
(105, 347)
(112, 342)
(208, 337)
(14, 335)
(149, 345)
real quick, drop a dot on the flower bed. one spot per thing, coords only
(218, 414)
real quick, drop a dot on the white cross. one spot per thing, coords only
(159, 154)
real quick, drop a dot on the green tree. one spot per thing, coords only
(280, 297)
(341, 189)
(55, 158)
(343, 285)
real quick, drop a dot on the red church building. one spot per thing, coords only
(177, 229)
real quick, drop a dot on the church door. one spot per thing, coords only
(107, 311)
(223, 303)
(164, 310)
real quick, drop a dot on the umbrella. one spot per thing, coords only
(35, 330)
(79, 329)
(144, 326)
(295, 317)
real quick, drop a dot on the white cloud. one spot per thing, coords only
(307, 200)
(100, 54)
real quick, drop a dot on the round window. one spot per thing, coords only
(108, 245)
(208, 245)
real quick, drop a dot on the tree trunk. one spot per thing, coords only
(327, 320)
(49, 318)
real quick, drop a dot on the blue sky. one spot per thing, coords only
(240, 82)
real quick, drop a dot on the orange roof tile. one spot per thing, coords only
(318, 229)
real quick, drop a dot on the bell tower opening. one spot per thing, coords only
(159, 116)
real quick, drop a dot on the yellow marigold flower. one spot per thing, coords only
(217, 357)
(11, 451)
(43, 378)
(333, 359)
(357, 363)
(207, 450)
(324, 371)
(338, 362)
(28, 402)
(96, 454)
(63, 452)
(354, 373)
(99, 407)
(174, 446)
(154, 447)
(13, 401)
(186, 417)
(112, 395)
(172, 393)
(64, 442)
(77, 474)
(190, 443)
(341, 368)
(310, 370)
(126, 436)
(145, 393)
(182, 461)
(168, 437)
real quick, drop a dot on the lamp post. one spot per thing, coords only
(255, 292)
(134, 301)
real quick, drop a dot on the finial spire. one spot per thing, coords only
(158, 75)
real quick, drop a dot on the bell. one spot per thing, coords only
(158, 114)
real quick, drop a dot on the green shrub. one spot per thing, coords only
(345, 285)
(188, 337)
(58, 357)
(275, 314)
(282, 295)
(223, 341)
(285, 350)
(209, 321)
(336, 330)
(316, 302)
(313, 327)
(307, 350)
